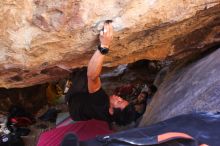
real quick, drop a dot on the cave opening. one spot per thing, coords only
(33, 98)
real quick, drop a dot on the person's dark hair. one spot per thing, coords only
(125, 116)
(153, 89)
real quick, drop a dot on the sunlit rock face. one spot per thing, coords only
(194, 87)
(41, 40)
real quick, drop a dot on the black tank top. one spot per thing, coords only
(85, 106)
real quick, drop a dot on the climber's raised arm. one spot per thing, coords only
(96, 62)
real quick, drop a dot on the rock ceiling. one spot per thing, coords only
(41, 40)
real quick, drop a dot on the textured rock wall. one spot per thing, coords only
(189, 89)
(40, 40)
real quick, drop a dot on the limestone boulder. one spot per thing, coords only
(42, 40)
(189, 88)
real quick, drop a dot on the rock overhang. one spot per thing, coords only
(42, 40)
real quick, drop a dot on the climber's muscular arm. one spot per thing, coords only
(96, 62)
